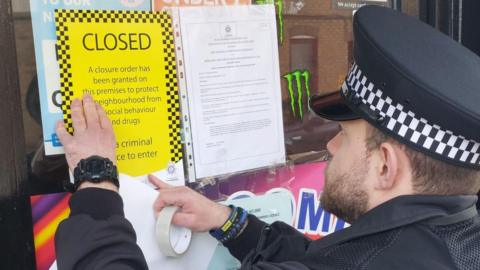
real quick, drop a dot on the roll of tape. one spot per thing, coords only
(172, 240)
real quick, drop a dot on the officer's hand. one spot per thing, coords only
(197, 212)
(93, 133)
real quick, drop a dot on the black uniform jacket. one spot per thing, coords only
(407, 233)
(96, 236)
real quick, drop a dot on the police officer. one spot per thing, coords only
(404, 169)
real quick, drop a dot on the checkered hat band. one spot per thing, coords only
(406, 124)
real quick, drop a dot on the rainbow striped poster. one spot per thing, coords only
(47, 213)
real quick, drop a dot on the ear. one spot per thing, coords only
(387, 171)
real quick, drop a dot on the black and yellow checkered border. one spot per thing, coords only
(63, 57)
(171, 86)
(104, 16)
(62, 17)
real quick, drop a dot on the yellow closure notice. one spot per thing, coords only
(126, 60)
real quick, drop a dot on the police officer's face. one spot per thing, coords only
(345, 193)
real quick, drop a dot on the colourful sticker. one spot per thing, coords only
(47, 213)
(299, 80)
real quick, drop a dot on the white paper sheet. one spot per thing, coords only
(233, 86)
(137, 196)
(138, 201)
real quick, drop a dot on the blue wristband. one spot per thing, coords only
(232, 227)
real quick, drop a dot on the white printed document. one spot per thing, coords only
(233, 87)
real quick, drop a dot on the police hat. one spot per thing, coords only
(412, 82)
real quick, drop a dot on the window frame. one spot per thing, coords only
(17, 246)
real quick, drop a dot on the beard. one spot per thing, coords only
(344, 194)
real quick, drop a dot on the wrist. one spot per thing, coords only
(233, 226)
(222, 216)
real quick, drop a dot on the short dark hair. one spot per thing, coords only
(431, 176)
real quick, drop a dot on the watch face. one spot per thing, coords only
(95, 166)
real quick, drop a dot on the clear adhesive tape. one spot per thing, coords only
(172, 240)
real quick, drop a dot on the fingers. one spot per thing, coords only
(105, 122)
(157, 182)
(64, 137)
(78, 119)
(90, 112)
(196, 211)
(168, 198)
(178, 196)
(184, 220)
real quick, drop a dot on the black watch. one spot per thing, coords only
(95, 169)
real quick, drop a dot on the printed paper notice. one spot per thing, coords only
(126, 60)
(233, 86)
(161, 4)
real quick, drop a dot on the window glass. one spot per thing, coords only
(315, 51)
